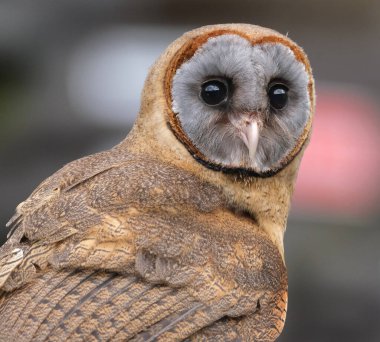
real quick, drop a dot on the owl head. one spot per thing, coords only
(239, 97)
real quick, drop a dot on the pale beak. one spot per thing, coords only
(250, 137)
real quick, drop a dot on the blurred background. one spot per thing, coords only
(71, 73)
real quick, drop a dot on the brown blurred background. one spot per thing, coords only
(70, 77)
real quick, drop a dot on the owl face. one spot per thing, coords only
(241, 105)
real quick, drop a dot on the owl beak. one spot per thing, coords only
(250, 137)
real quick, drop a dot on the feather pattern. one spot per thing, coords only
(171, 279)
(142, 242)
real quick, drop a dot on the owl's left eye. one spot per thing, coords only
(214, 92)
(278, 95)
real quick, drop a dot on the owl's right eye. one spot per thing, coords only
(214, 92)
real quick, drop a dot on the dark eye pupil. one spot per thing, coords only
(214, 92)
(278, 96)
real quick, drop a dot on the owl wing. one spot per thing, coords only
(101, 254)
(93, 305)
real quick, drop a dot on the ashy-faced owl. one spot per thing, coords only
(176, 233)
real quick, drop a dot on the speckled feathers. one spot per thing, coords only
(144, 242)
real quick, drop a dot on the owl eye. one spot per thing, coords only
(214, 92)
(278, 95)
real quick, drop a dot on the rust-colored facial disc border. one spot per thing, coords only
(185, 53)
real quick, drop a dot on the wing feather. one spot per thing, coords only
(71, 306)
(8, 263)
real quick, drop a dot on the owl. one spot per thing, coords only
(177, 232)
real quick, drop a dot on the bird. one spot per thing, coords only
(176, 233)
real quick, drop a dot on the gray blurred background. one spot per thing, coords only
(71, 73)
